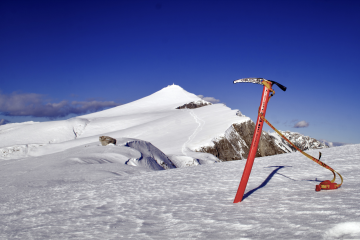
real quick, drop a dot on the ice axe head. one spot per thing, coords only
(260, 81)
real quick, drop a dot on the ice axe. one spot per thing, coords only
(326, 185)
(258, 129)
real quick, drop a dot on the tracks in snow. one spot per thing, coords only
(200, 123)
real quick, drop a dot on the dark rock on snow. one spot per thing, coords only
(105, 140)
(193, 105)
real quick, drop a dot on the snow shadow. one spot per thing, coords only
(316, 180)
(265, 182)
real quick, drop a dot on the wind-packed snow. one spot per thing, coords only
(58, 182)
(66, 196)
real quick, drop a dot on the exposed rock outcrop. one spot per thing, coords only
(105, 140)
(235, 144)
(193, 105)
(301, 141)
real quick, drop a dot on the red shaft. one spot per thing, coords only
(253, 147)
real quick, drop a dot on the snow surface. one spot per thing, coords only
(50, 197)
(58, 182)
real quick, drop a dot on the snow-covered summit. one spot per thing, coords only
(165, 99)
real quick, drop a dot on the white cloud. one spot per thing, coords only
(301, 124)
(32, 104)
(209, 99)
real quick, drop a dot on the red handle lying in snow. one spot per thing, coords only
(327, 185)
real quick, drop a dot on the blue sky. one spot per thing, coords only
(59, 59)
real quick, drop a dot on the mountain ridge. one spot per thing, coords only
(177, 122)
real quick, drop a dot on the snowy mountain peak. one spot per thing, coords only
(168, 98)
(173, 86)
(172, 94)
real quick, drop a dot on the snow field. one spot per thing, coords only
(186, 203)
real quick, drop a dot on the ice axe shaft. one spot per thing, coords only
(254, 143)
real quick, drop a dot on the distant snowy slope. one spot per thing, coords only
(155, 119)
(121, 117)
(44, 132)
